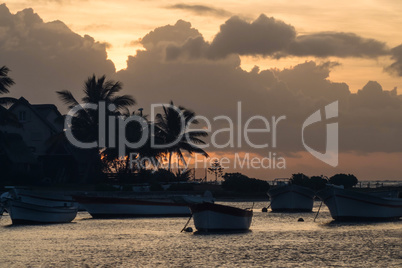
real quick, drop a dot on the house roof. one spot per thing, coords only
(40, 110)
(45, 109)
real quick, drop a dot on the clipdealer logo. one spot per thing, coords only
(270, 127)
(331, 154)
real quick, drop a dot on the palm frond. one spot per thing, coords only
(5, 80)
(123, 101)
(113, 88)
(68, 98)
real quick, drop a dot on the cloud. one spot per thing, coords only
(178, 64)
(337, 44)
(47, 56)
(269, 37)
(201, 10)
(176, 34)
(179, 69)
(133, 43)
(264, 36)
(396, 67)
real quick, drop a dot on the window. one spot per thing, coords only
(22, 116)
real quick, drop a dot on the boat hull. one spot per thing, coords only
(291, 198)
(347, 205)
(24, 213)
(214, 217)
(110, 207)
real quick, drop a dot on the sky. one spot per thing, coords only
(278, 58)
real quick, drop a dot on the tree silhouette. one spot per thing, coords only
(216, 169)
(299, 179)
(347, 180)
(6, 117)
(145, 155)
(85, 123)
(176, 136)
(318, 182)
(241, 183)
(5, 80)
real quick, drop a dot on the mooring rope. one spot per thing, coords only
(316, 215)
(184, 228)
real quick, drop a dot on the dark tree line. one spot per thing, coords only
(242, 184)
(318, 182)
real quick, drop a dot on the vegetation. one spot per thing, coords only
(216, 169)
(347, 180)
(172, 129)
(315, 183)
(85, 124)
(5, 80)
(240, 183)
(6, 117)
(318, 182)
(172, 134)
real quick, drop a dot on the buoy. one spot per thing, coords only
(188, 230)
(264, 209)
(300, 219)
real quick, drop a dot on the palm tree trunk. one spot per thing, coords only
(170, 160)
(178, 165)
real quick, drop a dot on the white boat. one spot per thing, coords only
(347, 205)
(214, 217)
(141, 206)
(30, 207)
(291, 198)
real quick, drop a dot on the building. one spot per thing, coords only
(35, 149)
(39, 122)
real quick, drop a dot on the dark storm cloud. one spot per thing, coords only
(269, 37)
(264, 36)
(45, 57)
(201, 10)
(338, 44)
(396, 67)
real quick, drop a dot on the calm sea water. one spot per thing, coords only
(275, 240)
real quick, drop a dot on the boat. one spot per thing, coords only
(348, 205)
(291, 198)
(140, 205)
(33, 207)
(1, 210)
(215, 217)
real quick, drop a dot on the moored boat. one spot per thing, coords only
(347, 205)
(31, 207)
(215, 217)
(141, 206)
(291, 198)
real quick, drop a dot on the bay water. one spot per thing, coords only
(275, 240)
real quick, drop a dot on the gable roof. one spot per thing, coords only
(40, 110)
(45, 109)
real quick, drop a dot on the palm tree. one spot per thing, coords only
(5, 80)
(134, 132)
(85, 124)
(6, 117)
(171, 131)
